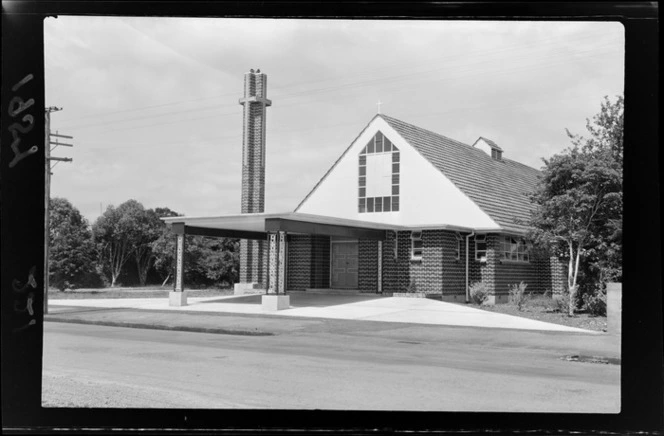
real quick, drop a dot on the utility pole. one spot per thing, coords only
(47, 191)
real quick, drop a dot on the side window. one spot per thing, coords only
(457, 251)
(480, 247)
(416, 245)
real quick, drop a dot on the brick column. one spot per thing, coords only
(380, 267)
(276, 282)
(178, 296)
(178, 285)
(255, 103)
(272, 273)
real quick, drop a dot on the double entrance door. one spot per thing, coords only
(344, 259)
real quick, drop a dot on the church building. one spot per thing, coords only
(402, 209)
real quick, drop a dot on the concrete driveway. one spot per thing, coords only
(352, 307)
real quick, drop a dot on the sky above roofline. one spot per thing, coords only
(152, 103)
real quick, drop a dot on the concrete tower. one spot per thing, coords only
(253, 255)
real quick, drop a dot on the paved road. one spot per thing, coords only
(384, 366)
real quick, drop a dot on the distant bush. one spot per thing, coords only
(518, 296)
(479, 292)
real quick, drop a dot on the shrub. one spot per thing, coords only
(479, 292)
(562, 302)
(518, 296)
(595, 303)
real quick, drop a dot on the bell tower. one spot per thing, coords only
(253, 254)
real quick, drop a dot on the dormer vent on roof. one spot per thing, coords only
(489, 147)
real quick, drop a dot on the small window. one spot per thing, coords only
(416, 245)
(363, 192)
(457, 251)
(395, 189)
(480, 248)
(363, 171)
(363, 159)
(370, 204)
(387, 204)
(378, 204)
(395, 179)
(395, 157)
(363, 181)
(370, 146)
(395, 167)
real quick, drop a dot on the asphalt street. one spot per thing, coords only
(328, 365)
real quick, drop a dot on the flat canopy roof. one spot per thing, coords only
(256, 226)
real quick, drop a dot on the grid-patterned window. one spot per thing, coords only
(416, 245)
(514, 249)
(480, 248)
(378, 180)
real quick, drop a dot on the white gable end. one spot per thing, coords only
(426, 196)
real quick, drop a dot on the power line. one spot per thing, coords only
(476, 54)
(459, 74)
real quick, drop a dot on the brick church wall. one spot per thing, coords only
(396, 269)
(368, 265)
(543, 272)
(308, 262)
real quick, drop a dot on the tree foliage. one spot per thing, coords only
(578, 201)
(118, 231)
(163, 247)
(72, 251)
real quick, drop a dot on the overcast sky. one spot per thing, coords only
(152, 103)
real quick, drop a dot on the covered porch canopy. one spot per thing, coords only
(259, 225)
(272, 227)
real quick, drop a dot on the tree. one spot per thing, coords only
(72, 251)
(578, 201)
(207, 261)
(163, 247)
(118, 232)
(148, 229)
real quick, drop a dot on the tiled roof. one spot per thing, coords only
(498, 187)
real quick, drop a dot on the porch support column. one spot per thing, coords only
(380, 267)
(272, 274)
(276, 298)
(178, 297)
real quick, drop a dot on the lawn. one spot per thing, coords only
(132, 292)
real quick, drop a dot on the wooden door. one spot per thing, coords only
(345, 264)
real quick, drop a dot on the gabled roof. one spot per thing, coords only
(490, 142)
(498, 187)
